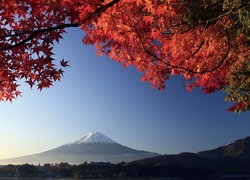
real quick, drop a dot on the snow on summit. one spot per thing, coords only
(94, 137)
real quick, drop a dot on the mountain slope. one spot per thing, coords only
(239, 148)
(94, 147)
(231, 159)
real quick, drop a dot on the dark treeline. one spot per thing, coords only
(99, 170)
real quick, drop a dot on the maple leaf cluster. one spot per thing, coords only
(206, 42)
(28, 31)
(26, 43)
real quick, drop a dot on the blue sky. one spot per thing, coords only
(98, 94)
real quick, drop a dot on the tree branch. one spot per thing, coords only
(34, 33)
(198, 16)
(205, 11)
(183, 68)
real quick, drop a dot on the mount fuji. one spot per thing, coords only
(92, 147)
(94, 137)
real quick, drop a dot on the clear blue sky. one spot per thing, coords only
(97, 94)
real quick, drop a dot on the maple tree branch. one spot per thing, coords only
(101, 9)
(198, 16)
(36, 32)
(197, 50)
(150, 53)
(187, 69)
(16, 34)
(225, 56)
(229, 11)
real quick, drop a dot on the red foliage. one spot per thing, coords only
(148, 34)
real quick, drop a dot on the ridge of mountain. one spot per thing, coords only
(232, 159)
(239, 148)
(92, 147)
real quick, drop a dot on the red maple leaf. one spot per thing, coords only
(64, 63)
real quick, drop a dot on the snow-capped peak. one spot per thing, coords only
(94, 137)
